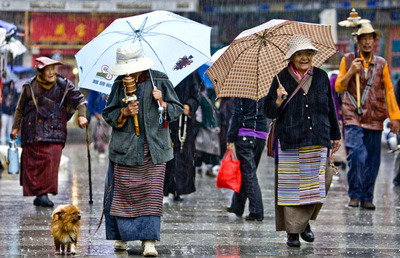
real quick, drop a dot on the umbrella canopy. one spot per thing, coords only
(11, 29)
(202, 69)
(246, 69)
(178, 46)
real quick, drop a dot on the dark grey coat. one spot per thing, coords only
(125, 147)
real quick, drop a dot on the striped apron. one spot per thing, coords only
(301, 176)
(138, 190)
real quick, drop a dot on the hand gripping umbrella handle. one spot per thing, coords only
(160, 108)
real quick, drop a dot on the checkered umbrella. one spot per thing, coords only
(246, 69)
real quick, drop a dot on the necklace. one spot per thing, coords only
(182, 135)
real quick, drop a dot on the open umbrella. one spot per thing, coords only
(178, 46)
(202, 69)
(255, 56)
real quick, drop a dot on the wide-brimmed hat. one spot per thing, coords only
(43, 61)
(130, 59)
(298, 43)
(366, 28)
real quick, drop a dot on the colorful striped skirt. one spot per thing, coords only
(138, 190)
(301, 176)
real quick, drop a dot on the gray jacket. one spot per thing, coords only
(125, 147)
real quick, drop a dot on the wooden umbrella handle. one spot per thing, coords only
(136, 120)
(358, 91)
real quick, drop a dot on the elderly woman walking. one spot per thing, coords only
(306, 129)
(139, 148)
(47, 102)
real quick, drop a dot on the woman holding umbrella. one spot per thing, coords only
(139, 148)
(306, 128)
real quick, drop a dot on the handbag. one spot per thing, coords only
(207, 140)
(229, 175)
(271, 132)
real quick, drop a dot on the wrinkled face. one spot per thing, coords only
(302, 60)
(366, 42)
(49, 73)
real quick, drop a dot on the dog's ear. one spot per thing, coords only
(59, 214)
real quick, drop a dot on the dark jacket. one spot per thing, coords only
(47, 122)
(126, 147)
(308, 119)
(247, 113)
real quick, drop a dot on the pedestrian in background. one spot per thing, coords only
(10, 100)
(396, 179)
(304, 130)
(225, 108)
(248, 132)
(207, 118)
(180, 172)
(98, 128)
(134, 183)
(47, 102)
(363, 132)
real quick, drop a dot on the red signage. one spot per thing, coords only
(66, 28)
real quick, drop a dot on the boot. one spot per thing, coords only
(43, 200)
(149, 248)
(293, 240)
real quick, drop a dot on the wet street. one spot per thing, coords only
(199, 226)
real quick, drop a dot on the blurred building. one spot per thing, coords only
(59, 28)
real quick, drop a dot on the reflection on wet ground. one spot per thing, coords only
(199, 226)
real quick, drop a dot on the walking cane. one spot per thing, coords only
(89, 165)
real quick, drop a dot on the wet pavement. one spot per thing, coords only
(199, 226)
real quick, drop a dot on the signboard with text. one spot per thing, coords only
(67, 28)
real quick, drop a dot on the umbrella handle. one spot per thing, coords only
(358, 91)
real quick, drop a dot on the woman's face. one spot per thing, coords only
(302, 60)
(49, 73)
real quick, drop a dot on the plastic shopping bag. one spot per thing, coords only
(229, 175)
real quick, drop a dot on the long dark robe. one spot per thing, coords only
(180, 171)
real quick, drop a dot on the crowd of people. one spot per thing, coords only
(155, 153)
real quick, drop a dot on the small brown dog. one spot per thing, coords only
(65, 228)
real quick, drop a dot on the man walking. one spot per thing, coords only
(363, 127)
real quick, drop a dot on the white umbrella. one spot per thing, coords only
(178, 46)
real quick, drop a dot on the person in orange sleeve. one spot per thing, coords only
(363, 127)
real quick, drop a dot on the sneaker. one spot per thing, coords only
(149, 248)
(120, 245)
(210, 173)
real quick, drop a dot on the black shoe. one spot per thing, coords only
(178, 198)
(252, 217)
(43, 200)
(293, 240)
(229, 209)
(307, 235)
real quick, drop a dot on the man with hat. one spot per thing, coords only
(363, 129)
(141, 104)
(47, 102)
